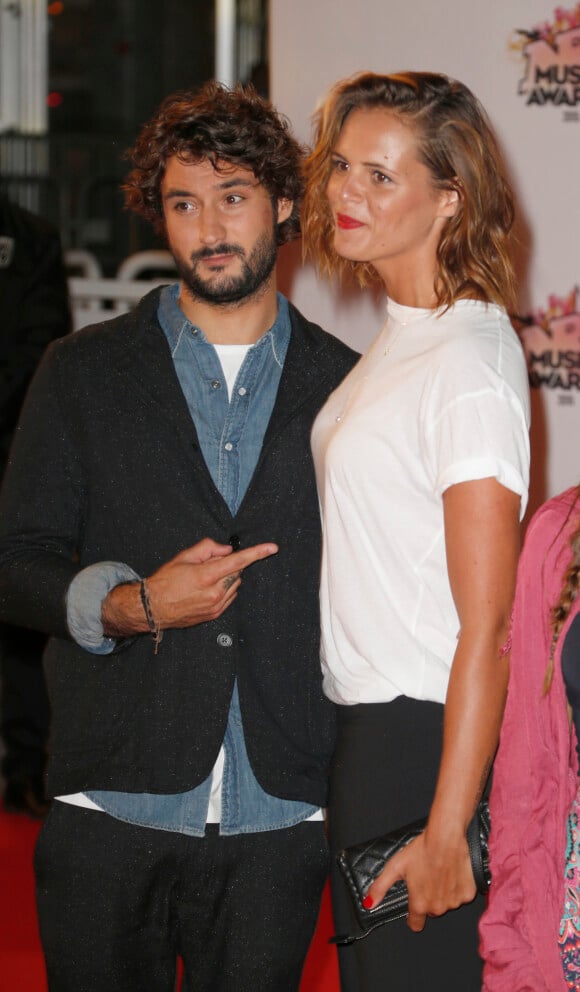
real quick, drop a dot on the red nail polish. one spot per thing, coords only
(368, 902)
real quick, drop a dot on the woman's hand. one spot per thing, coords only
(438, 875)
(482, 542)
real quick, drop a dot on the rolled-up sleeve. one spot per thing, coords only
(85, 598)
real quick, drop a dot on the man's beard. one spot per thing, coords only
(256, 269)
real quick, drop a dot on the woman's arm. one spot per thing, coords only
(482, 544)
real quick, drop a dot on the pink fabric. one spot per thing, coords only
(535, 776)
(569, 936)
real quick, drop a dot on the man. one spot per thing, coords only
(190, 737)
(34, 310)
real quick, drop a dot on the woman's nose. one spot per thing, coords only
(349, 188)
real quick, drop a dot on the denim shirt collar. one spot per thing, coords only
(230, 429)
(174, 323)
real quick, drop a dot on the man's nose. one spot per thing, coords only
(211, 227)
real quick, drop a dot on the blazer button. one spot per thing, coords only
(234, 540)
(224, 640)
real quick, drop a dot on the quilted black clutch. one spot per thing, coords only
(361, 863)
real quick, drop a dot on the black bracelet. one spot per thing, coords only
(154, 626)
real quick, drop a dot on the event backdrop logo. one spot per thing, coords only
(551, 340)
(552, 55)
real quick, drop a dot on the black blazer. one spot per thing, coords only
(34, 308)
(107, 466)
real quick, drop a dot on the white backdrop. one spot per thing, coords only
(531, 90)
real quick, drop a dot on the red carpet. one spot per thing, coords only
(21, 962)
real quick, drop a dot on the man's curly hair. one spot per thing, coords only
(236, 126)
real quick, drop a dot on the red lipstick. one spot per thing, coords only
(347, 223)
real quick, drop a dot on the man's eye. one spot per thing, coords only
(233, 198)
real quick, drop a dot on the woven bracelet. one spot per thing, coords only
(154, 626)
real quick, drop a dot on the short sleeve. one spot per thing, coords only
(476, 421)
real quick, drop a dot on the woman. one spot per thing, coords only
(422, 464)
(531, 930)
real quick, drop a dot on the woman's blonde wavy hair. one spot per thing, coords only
(457, 144)
(570, 588)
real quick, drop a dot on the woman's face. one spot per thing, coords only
(385, 208)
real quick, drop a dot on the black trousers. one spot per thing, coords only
(384, 775)
(118, 903)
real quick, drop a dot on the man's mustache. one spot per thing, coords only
(224, 249)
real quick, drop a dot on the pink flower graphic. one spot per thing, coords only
(564, 20)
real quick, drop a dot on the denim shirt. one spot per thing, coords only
(230, 434)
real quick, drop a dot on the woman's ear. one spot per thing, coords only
(450, 200)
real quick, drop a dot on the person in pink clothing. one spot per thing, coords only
(530, 932)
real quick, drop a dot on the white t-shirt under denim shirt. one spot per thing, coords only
(440, 398)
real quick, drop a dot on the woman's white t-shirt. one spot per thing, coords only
(439, 399)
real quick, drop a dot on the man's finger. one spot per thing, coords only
(203, 551)
(236, 562)
(230, 580)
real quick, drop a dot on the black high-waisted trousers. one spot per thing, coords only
(384, 775)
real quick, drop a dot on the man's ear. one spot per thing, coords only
(285, 208)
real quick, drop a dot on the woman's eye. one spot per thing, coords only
(339, 165)
(380, 178)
